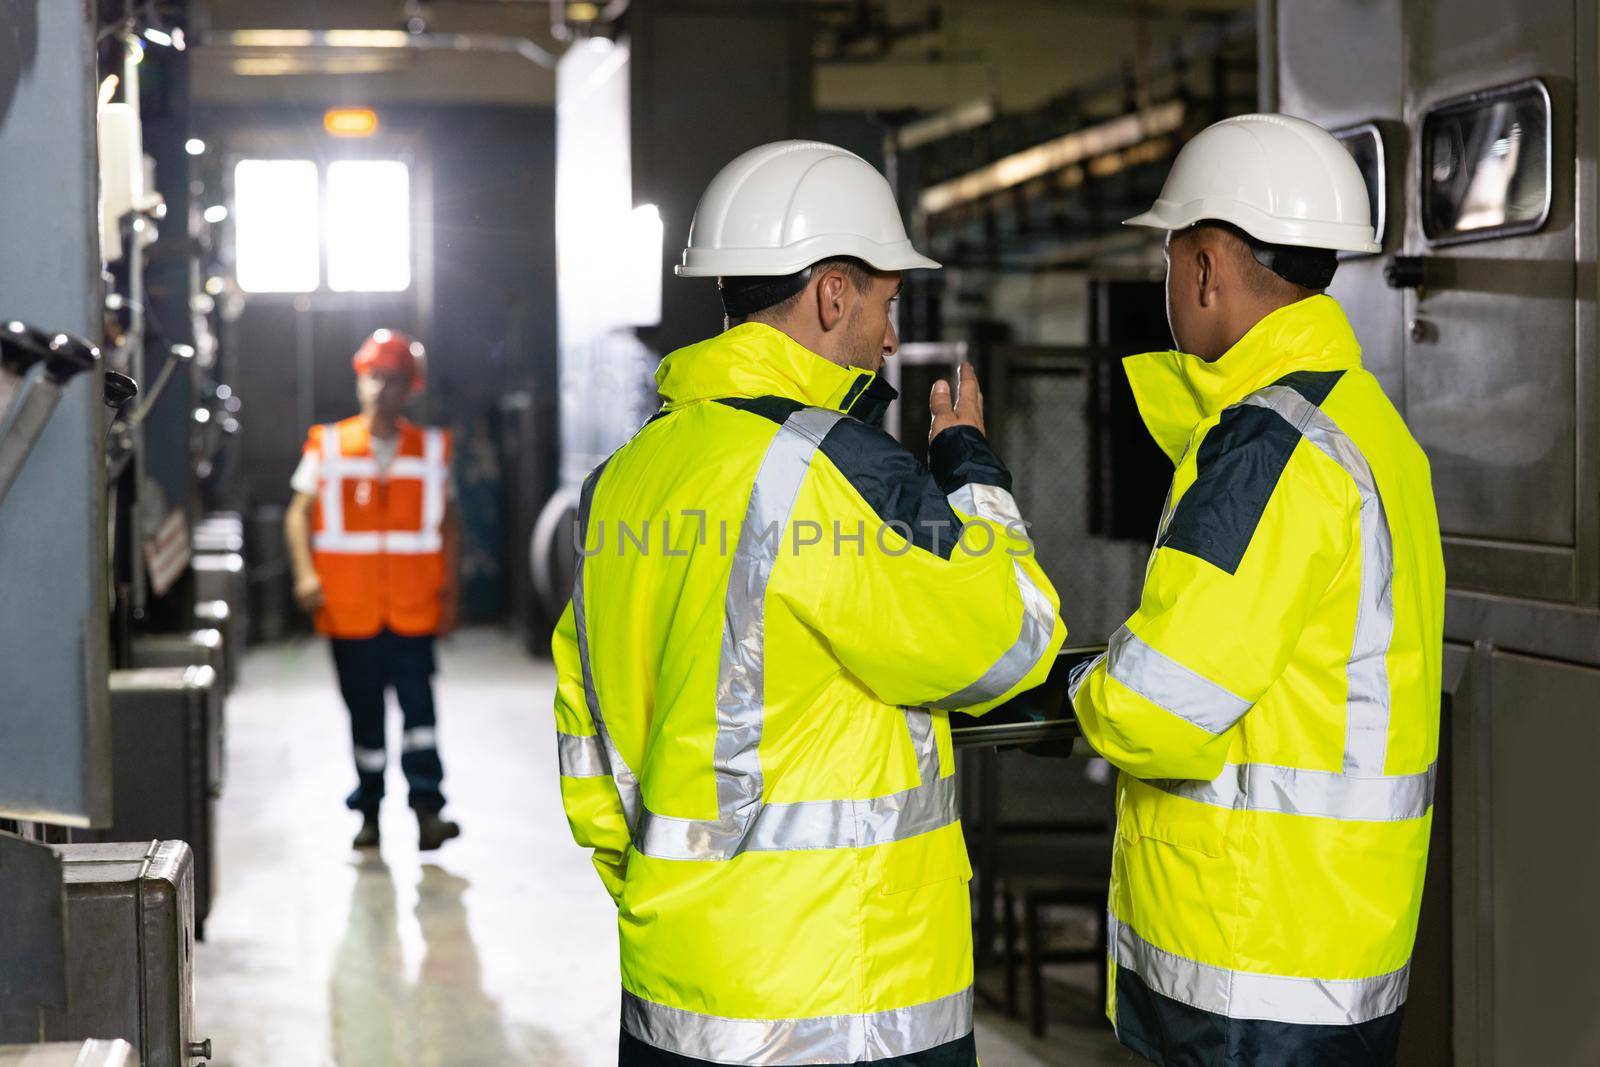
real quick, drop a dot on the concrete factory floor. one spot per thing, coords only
(498, 949)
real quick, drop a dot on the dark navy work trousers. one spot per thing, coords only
(368, 668)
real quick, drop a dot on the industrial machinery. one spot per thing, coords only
(1476, 125)
(204, 648)
(166, 765)
(91, 1053)
(130, 950)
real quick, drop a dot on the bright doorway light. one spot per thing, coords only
(369, 226)
(275, 224)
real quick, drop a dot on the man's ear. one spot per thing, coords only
(1206, 276)
(831, 299)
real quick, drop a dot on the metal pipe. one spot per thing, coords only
(378, 40)
(21, 349)
(69, 357)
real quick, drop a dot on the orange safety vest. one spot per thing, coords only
(378, 538)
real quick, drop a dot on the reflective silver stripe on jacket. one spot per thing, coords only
(1038, 623)
(627, 783)
(1251, 995)
(744, 822)
(1170, 685)
(1323, 794)
(1367, 707)
(580, 756)
(862, 1038)
(986, 501)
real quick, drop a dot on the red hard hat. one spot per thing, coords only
(391, 350)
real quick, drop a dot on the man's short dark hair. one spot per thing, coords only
(1284, 273)
(859, 274)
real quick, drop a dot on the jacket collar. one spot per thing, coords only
(755, 359)
(1176, 392)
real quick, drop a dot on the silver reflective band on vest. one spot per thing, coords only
(581, 756)
(745, 822)
(1170, 685)
(862, 1038)
(627, 784)
(1322, 794)
(1367, 708)
(1251, 995)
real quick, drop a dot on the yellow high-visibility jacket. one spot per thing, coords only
(1273, 706)
(770, 624)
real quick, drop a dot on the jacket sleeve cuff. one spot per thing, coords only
(960, 456)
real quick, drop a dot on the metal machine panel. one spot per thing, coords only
(54, 643)
(1542, 880)
(91, 1053)
(1339, 65)
(33, 957)
(1492, 354)
(160, 718)
(201, 648)
(130, 949)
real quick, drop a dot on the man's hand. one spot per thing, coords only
(965, 410)
(449, 610)
(308, 593)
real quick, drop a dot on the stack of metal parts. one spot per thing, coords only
(167, 765)
(130, 950)
(219, 569)
(91, 1053)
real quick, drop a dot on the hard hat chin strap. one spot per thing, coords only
(744, 296)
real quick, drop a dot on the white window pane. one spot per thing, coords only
(369, 226)
(275, 225)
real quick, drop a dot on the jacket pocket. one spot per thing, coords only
(1149, 813)
(937, 856)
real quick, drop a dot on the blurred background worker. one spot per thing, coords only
(754, 730)
(1274, 702)
(373, 538)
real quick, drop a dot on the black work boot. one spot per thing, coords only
(367, 837)
(433, 831)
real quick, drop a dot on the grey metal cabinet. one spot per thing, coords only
(162, 718)
(130, 950)
(1339, 64)
(1496, 362)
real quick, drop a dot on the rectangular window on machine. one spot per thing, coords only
(1365, 144)
(369, 226)
(275, 217)
(1486, 164)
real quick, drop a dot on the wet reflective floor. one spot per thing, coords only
(500, 948)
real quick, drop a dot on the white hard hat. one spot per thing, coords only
(1280, 179)
(782, 207)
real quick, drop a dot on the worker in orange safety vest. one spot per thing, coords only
(373, 537)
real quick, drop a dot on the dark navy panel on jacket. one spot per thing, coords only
(1238, 467)
(1170, 1033)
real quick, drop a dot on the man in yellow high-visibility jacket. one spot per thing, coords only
(771, 622)
(1273, 705)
